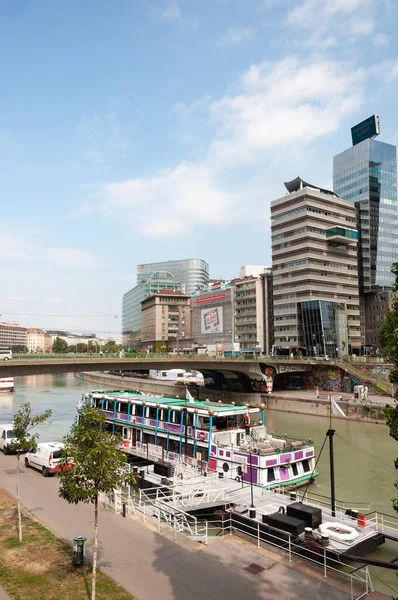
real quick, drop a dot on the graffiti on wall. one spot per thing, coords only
(333, 381)
(298, 381)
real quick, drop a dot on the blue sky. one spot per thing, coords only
(146, 130)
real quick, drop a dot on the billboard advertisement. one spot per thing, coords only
(368, 128)
(211, 320)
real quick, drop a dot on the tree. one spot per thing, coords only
(388, 337)
(98, 466)
(25, 442)
(60, 346)
(81, 348)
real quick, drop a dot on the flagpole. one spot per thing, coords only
(330, 433)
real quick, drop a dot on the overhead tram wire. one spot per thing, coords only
(366, 452)
(313, 470)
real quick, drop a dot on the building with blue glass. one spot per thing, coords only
(366, 175)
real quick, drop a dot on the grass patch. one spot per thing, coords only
(41, 567)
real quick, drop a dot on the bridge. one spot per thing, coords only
(243, 370)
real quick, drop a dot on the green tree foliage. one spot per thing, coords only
(60, 346)
(98, 466)
(81, 348)
(25, 441)
(388, 337)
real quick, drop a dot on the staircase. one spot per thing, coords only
(358, 371)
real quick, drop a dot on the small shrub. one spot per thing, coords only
(367, 408)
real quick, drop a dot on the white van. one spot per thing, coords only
(5, 354)
(7, 435)
(46, 458)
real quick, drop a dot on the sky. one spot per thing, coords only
(145, 130)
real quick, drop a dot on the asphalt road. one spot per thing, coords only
(152, 567)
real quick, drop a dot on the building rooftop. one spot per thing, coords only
(298, 184)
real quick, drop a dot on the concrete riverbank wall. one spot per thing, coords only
(275, 401)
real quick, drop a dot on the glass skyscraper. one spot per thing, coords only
(192, 272)
(366, 174)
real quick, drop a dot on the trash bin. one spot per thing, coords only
(79, 543)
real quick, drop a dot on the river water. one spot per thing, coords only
(364, 452)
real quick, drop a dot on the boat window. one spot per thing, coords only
(138, 410)
(271, 474)
(123, 407)
(294, 469)
(306, 466)
(220, 423)
(152, 412)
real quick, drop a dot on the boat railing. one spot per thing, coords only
(323, 501)
(382, 523)
(355, 579)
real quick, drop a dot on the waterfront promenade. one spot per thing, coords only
(153, 567)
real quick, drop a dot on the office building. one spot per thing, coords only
(268, 312)
(131, 305)
(38, 340)
(315, 274)
(366, 174)
(192, 272)
(13, 337)
(166, 321)
(212, 318)
(249, 313)
(376, 305)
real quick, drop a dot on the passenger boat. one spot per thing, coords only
(6, 384)
(225, 438)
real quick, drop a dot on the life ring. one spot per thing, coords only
(339, 532)
(202, 436)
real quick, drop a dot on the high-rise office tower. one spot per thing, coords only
(366, 174)
(192, 272)
(315, 273)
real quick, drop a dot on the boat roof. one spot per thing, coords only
(220, 408)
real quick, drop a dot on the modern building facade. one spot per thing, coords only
(315, 274)
(166, 321)
(13, 337)
(38, 340)
(366, 174)
(131, 305)
(249, 313)
(376, 306)
(192, 272)
(212, 317)
(268, 312)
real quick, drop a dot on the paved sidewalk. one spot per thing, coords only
(3, 594)
(151, 567)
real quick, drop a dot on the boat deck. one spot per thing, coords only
(190, 491)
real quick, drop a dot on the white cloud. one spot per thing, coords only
(279, 107)
(171, 202)
(381, 40)
(282, 104)
(360, 25)
(172, 12)
(72, 257)
(311, 10)
(236, 35)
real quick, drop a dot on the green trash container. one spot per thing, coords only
(79, 543)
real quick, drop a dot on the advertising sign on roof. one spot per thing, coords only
(210, 298)
(368, 128)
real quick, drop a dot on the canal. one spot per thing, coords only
(364, 452)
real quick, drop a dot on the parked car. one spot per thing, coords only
(46, 458)
(326, 357)
(7, 436)
(5, 354)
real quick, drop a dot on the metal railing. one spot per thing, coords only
(180, 523)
